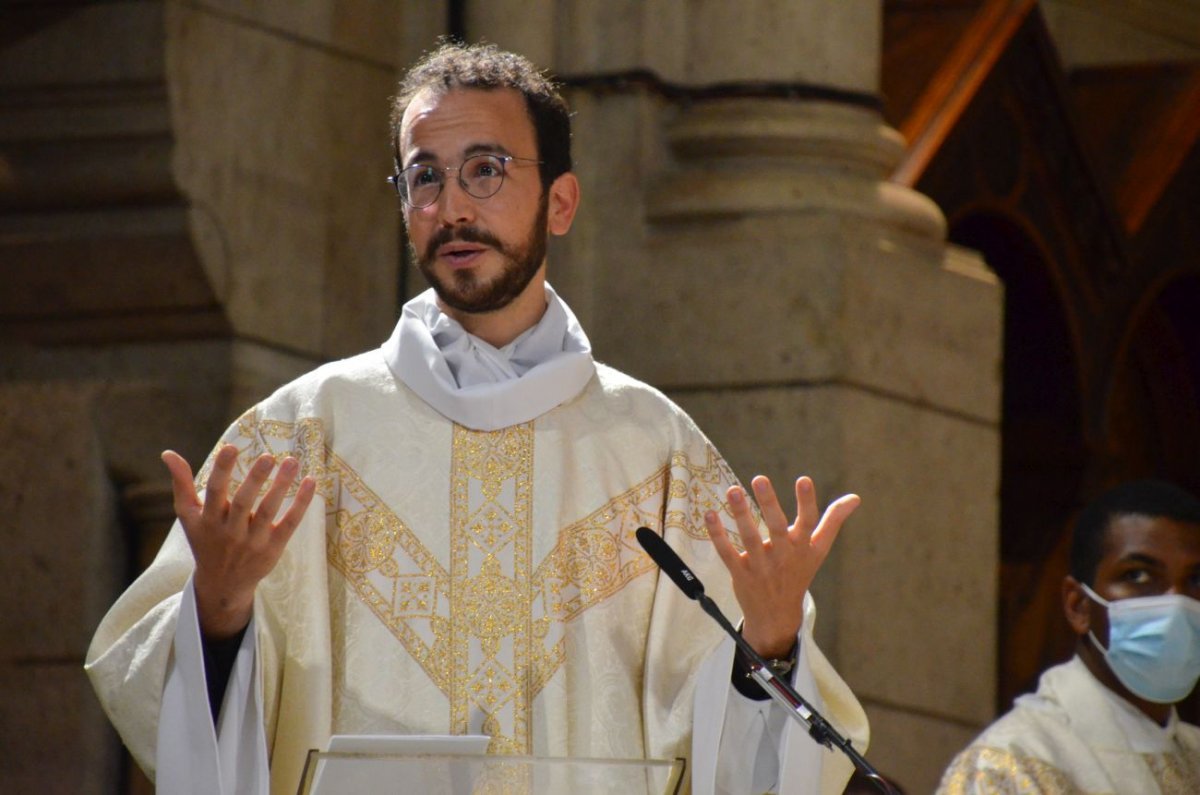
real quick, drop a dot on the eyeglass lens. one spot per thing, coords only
(480, 176)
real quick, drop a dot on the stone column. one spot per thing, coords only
(280, 115)
(741, 246)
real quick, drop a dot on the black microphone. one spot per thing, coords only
(671, 564)
(818, 728)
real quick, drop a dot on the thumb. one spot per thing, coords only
(182, 481)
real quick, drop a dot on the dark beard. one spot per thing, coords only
(465, 291)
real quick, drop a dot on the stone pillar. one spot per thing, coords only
(812, 319)
(741, 246)
(280, 114)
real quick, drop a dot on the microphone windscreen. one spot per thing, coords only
(662, 554)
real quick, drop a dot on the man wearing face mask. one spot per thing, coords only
(1105, 722)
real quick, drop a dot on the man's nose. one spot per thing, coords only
(455, 205)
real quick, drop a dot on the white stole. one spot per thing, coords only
(483, 387)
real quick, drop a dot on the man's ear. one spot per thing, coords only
(1077, 605)
(563, 202)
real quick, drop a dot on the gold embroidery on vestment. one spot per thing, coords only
(491, 548)
(997, 770)
(489, 632)
(1173, 773)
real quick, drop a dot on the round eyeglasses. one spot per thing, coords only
(480, 176)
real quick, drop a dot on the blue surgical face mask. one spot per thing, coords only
(1153, 644)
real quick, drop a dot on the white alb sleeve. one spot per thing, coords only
(744, 747)
(192, 757)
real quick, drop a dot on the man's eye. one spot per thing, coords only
(483, 168)
(425, 176)
(1136, 576)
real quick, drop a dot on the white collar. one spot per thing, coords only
(483, 387)
(1081, 694)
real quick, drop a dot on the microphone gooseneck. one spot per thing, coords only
(778, 689)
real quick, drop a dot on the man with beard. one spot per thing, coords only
(458, 555)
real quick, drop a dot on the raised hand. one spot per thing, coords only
(235, 543)
(772, 575)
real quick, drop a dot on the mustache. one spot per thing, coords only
(460, 234)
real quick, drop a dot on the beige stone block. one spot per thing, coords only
(63, 548)
(933, 336)
(912, 578)
(258, 371)
(913, 749)
(59, 47)
(615, 147)
(808, 299)
(732, 302)
(826, 43)
(180, 401)
(419, 25)
(780, 432)
(285, 149)
(365, 29)
(139, 399)
(528, 28)
(917, 570)
(624, 35)
(55, 737)
(777, 138)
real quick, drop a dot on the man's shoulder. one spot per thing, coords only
(1032, 726)
(358, 387)
(1030, 743)
(365, 371)
(1189, 735)
(616, 386)
(613, 380)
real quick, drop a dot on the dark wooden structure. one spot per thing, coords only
(1082, 191)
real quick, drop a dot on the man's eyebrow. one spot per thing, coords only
(490, 148)
(421, 156)
(1143, 558)
(486, 149)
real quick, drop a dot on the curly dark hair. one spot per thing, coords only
(1152, 498)
(486, 66)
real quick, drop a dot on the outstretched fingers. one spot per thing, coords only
(264, 515)
(295, 512)
(745, 519)
(772, 512)
(808, 512)
(241, 507)
(831, 523)
(216, 493)
(720, 539)
(182, 484)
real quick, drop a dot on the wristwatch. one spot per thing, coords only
(744, 682)
(782, 667)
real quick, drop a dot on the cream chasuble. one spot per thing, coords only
(449, 580)
(1077, 737)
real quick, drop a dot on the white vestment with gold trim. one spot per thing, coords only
(1075, 736)
(448, 581)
